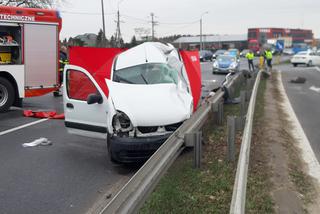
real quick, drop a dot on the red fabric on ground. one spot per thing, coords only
(43, 114)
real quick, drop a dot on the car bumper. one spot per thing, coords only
(133, 150)
(299, 61)
(224, 70)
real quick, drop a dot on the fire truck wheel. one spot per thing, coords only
(7, 95)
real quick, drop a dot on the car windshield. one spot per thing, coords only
(150, 73)
(226, 59)
(220, 52)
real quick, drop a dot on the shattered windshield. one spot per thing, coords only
(150, 73)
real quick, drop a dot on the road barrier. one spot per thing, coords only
(133, 195)
(239, 190)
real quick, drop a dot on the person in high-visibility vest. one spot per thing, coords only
(250, 57)
(268, 55)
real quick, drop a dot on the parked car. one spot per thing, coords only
(234, 52)
(218, 53)
(135, 99)
(307, 58)
(205, 55)
(226, 64)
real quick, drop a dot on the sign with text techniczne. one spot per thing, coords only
(17, 18)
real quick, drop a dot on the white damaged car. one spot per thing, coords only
(134, 98)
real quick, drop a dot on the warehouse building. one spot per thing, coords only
(212, 42)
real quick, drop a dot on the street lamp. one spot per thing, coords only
(201, 45)
(103, 24)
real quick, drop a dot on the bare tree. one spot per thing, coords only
(31, 3)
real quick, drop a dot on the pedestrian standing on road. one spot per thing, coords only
(250, 57)
(269, 58)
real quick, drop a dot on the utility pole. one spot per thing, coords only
(201, 45)
(153, 23)
(201, 33)
(103, 25)
(118, 32)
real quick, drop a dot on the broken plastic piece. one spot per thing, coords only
(39, 142)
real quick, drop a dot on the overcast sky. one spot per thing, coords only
(182, 16)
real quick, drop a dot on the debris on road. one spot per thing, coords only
(298, 80)
(39, 142)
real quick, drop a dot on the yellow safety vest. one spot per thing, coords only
(250, 56)
(268, 54)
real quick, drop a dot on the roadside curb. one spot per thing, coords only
(298, 133)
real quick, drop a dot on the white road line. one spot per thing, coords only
(313, 88)
(317, 68)
(23, 126)
(298, 133)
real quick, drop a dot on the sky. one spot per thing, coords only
(183, 16)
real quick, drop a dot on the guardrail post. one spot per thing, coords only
(231, 128)
(217, 109)
(197, 149)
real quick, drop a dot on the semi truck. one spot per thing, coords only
(29, 54)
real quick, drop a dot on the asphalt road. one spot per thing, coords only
(305, 100)
(69, 176)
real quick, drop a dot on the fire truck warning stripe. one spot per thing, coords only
(22, 126)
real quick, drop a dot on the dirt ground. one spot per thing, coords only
(274, 150)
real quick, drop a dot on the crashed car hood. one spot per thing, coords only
(151, 105)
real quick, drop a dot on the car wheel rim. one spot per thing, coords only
(4, 95)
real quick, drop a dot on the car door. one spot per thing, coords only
(81, 118)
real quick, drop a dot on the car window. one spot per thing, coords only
(150, 73)
(79, 85)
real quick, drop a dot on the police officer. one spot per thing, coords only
(63, 60)
(250, 57)
(268, 55)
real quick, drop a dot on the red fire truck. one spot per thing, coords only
(29, 53)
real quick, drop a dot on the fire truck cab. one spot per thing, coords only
(29, 52)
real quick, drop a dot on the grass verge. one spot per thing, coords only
(259, 184)
(207, 190)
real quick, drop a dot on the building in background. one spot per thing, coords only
(212, 42)
(261, 35)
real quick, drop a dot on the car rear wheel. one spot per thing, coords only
(7, 95)
(294, 65)
(309, 63)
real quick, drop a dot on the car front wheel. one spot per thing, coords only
(294, 65)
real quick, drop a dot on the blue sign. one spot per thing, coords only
(279, 45)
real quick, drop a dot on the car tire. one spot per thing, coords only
(309, 63)
(7, 94)
(294, 65)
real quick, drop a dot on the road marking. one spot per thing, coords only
(23, 126)
(318, 69)
(298, 133)
(313, 88)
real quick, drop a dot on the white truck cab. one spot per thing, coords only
(147, 96)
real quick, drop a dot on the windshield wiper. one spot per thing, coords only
(144, 79)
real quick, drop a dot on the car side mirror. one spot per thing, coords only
(94, 98)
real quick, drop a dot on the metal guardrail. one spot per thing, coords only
(240, 185)
(132, 196)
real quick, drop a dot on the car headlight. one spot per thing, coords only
(233, 65)
(215, 65)
(121, 123)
